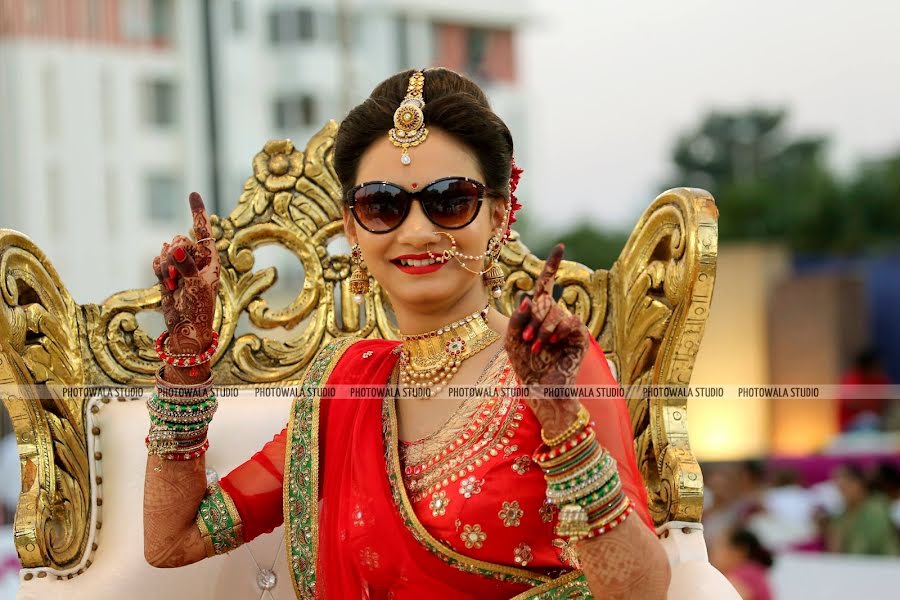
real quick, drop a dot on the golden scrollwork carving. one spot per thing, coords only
(647, 311)
(660, 293)
(40, 340)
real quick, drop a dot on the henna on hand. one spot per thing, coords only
(188, 274)
(172, 497)
(628, 562)
(546, 345)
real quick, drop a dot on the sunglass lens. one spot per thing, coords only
(380, 207)
(452, 203)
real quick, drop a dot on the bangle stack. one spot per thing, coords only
(185, 360)
(583, 480)
(179, 419)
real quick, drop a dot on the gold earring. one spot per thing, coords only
(493, 277)
(359, 276)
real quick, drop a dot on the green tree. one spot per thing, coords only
(767, 185)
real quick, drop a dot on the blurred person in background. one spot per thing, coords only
(864, 526)
(741, 557)
(862, 404)
(735, 492)
(887, 482)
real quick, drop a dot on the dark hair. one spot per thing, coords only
(453, 104)
(747, 541)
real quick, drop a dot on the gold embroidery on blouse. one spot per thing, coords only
(511, 514)
(546, 511)
(473, 536)
(484, 433)
(470, 486)
(522, 554)
(438, 504)
(522, 464)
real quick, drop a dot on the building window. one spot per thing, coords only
(238, 16)
(160, 103)
(94, 19)
(289, 25)
(162, 21)
(482, 53)
(163, 197)
(295, 112)
(147, 21)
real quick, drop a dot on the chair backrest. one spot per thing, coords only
(648, 312)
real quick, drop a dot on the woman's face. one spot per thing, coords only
(439, 290)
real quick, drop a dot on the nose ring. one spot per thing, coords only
(447, 254)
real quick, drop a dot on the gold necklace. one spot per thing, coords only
(431, 359)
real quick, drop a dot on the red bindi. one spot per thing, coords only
(415, 185)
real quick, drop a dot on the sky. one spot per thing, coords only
(611, 84)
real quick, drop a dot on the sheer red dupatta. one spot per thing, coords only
(613, 427)
(366, 547)
(357, 543)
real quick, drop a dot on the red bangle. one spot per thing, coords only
(611, 525)
(186, 361)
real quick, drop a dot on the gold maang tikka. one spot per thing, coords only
(409, 121)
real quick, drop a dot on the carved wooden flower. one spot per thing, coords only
(278, 166)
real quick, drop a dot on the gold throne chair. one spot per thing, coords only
(78, 520)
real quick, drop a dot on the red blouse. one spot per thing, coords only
(482, 495)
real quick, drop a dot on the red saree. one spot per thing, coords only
(472, 523)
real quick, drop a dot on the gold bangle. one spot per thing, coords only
(581, 420)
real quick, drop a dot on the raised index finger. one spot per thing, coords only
(547, 279)
(203, 232)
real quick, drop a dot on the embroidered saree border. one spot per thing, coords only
(219, 522)
(415, 527)
(571, 586)
(301, 487)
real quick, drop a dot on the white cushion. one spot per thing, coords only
(241, 426)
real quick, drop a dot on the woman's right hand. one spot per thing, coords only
(188, 274)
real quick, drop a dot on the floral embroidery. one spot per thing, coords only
(567, 552)
(489, 434)
(509, 450)
(369, 558)
(547, 510)
(358, 516)
(523, 554)
(439, 502)
(367, 354)
(470, 486)
(473, 536)
(522, 464)
(511, 514)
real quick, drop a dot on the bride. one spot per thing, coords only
(417, 490)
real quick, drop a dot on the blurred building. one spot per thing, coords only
(103, 131)
(114, 110)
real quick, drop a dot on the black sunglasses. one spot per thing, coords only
(449, 203)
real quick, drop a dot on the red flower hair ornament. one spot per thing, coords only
(514, 175)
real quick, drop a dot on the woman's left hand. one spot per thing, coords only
(546, 346)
